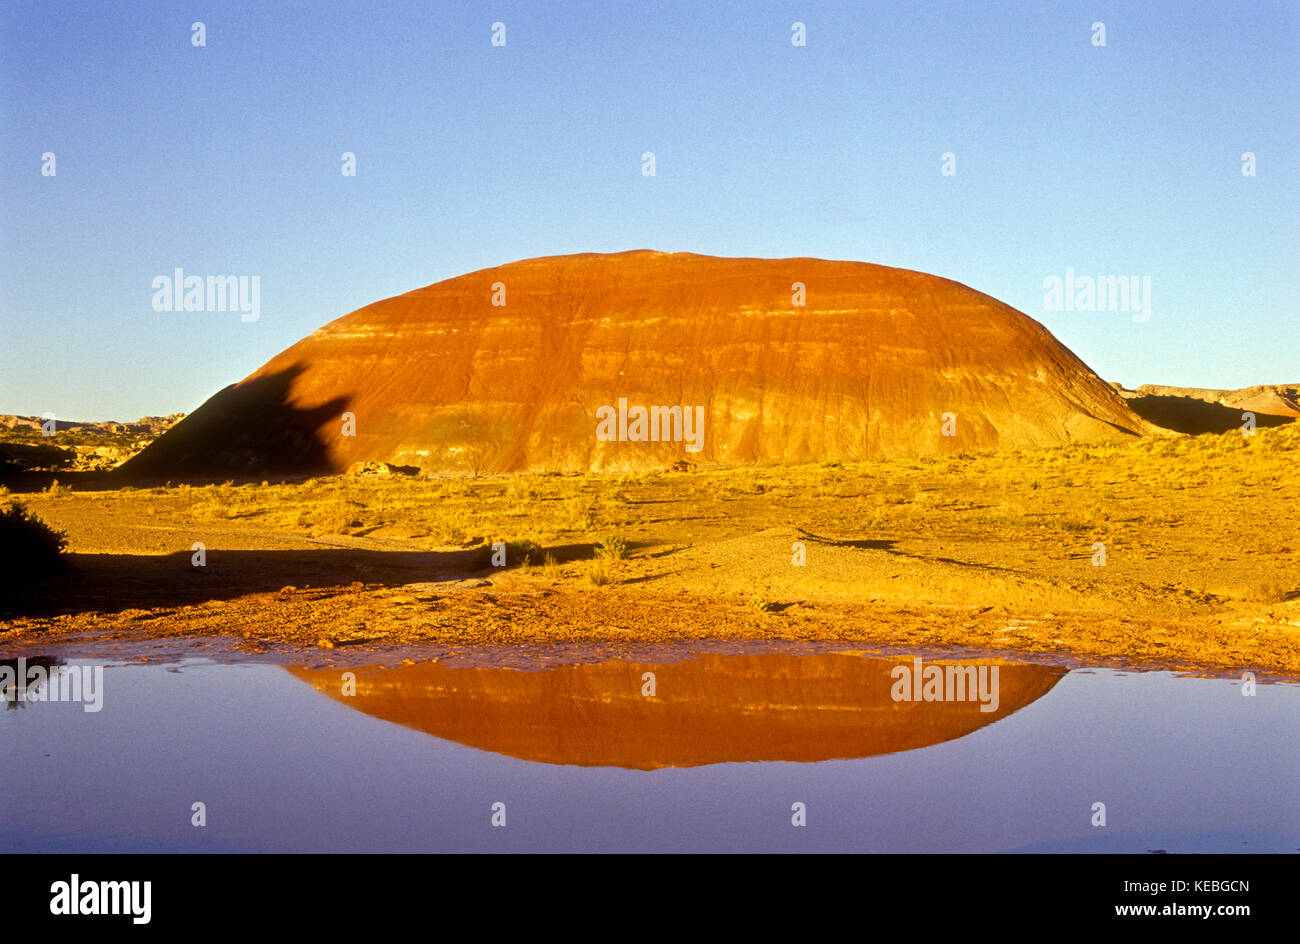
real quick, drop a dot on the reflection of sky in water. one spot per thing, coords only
(1182, 764)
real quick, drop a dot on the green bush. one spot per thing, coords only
(28, 546)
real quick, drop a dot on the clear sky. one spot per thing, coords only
(225, 160)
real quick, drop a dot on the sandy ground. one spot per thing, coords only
(1200, 572)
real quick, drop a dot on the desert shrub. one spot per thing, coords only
(28, 546)
(519, 492)
(517, 553)
(448, 532)
(581, 514)
(598, 572)
(612, 547)
(1265, 591)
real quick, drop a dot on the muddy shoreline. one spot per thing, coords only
(381, 625)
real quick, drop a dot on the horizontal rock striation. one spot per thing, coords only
(786, 360)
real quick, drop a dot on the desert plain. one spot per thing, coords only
(878, 457)
(1177, 552)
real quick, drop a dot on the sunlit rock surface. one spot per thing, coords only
(444, 379)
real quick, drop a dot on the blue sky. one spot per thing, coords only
(225, 160)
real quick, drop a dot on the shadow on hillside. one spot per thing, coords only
(108, 583)
(1196, 417)
(250, 429)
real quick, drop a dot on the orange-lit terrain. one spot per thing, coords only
(900, 461)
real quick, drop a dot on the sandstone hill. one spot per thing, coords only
(543, 365)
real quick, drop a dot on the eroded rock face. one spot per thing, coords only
(515, 367)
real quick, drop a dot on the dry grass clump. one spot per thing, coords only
(1265, 590)
(613, 547)
(515, 553)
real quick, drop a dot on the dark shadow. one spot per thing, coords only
(1196, 417)
(249, 429)
(19, 457)
(109, 583)
(666, 552)
(648, 578)
(887, 545)
(564, 553)
(863, 545)
(38, 480)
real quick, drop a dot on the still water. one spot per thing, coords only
(665, 751)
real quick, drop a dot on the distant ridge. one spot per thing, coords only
(1197, 410)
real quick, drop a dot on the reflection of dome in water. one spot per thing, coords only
(707, 710)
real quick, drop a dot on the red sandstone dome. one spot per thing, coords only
(516, 368)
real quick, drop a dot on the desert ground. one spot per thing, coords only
(996, 551)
